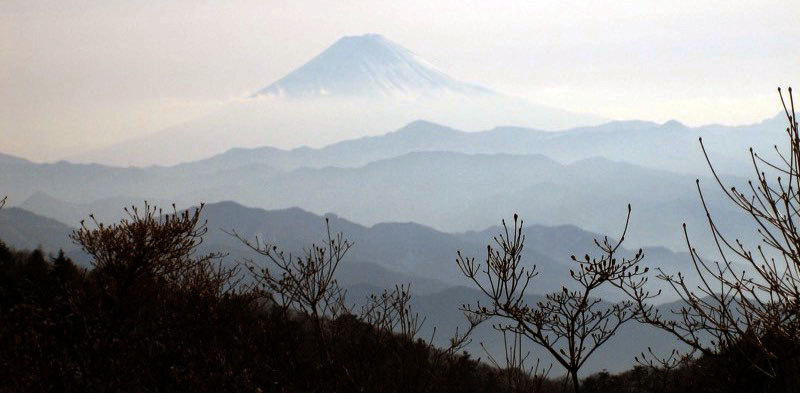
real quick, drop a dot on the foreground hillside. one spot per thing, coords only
(403, 253)
(67, 330)
(163, 318)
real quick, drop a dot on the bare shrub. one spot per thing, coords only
(746, 305)
(569, 324)
(150, 244)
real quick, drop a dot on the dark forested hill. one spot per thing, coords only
(394, 253)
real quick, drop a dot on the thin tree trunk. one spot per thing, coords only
(575, 386)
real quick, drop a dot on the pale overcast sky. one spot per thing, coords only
(87, 73)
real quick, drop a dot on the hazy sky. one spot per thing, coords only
(82, 74)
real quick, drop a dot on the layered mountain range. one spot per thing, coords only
(441, 177)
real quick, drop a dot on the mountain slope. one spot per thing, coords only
(104, 210)
(7, 159)
(367, 65)
(22, 229)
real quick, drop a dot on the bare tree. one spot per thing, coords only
(305, 282)
(569, 324)
(150, 244)
(746, 305)
(391, 312)
(520, 376)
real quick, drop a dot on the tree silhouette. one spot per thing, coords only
(151, 244)
(746, 305)
(306, 284)
(570, 324)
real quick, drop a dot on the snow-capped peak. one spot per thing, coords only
(367, 66)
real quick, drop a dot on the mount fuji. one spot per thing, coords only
(359, 86)
(368, 66)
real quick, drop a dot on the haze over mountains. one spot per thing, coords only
(360, 85)
(461, 183)
(439, 176)
(669, 146)
(408, 192)
(422, 171)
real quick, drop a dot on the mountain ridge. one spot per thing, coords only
(462, 191)
(425, 135)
